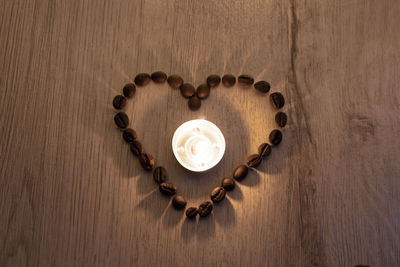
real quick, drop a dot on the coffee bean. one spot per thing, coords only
(160, 174)
(129, 90)
(245, 80)
(175, 81)
(129, 135)
(121, 120)
(264, 150)
(203, 91)
(205, 208)
(281, 119)
(191, 212)
(159, 77)
(253, 160)
(194, 103)
(187, 90)
(136, 148)
(228, 184)
(142, 79)
(147, 161)
(179, 202)
(275, 137)
(213, 80)
(119, 102)
(217, 194)
(277, 100)
(262, 86)
(228, 80)
(240, 172)
(167, 189)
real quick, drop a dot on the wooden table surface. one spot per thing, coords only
(72, 194)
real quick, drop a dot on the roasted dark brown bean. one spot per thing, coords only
(213, 80)
(119, 102)
(187, 90)
(129, 135)
(228, 80)
(147, 161)
(264, 150)
(175, 81)
(281, 119)
(159, 77)
(179, 202)
(228, 184)
(275, 137)
(277, 100)
(191, 212)
(167, 189)
(121, 120)
(218, 194)
(245, 80)
(205, 208)
(136, 148)
(262, 86)
(194, 103)
(142, 79)
(160, 174)
(129, 90)
(253, 160)
(240, 172)
(203, 91)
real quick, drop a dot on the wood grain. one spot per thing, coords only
(71, 193)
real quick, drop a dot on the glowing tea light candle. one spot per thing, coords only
(198, 145)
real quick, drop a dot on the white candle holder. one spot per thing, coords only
(198, 145)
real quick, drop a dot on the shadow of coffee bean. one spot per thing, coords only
(252, 178)
(205, 228)
(145, 182)
(172, 216)
(225, 213)
(236, 193)
(153, 204)
(274, 164)
(188, 230)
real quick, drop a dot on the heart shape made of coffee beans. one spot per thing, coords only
(195, 98)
